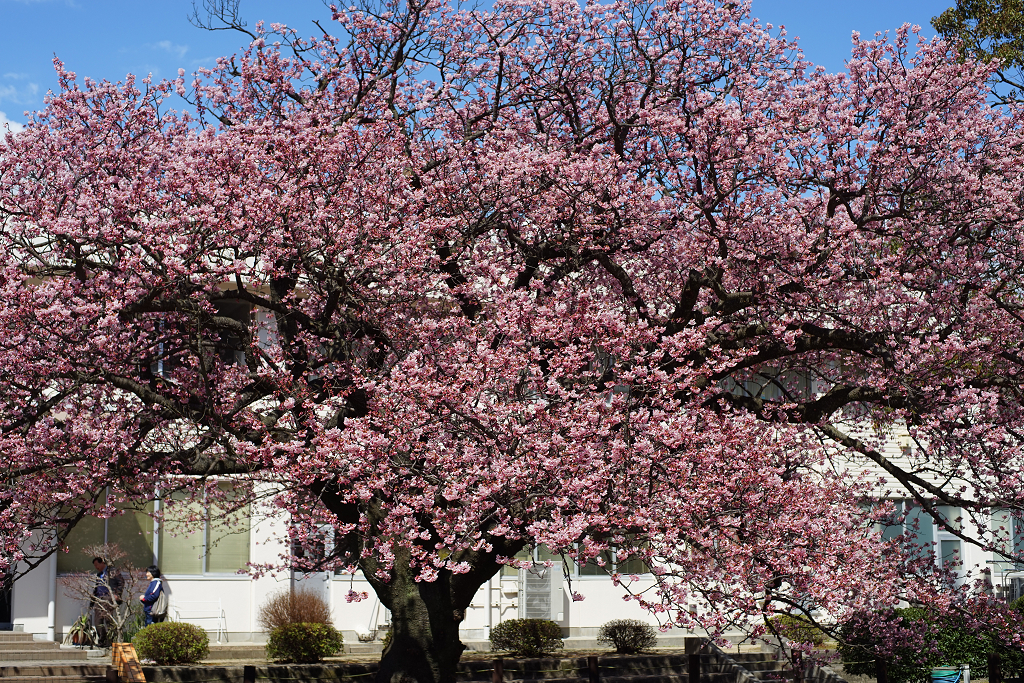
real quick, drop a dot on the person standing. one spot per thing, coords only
(106, 596)
(153, 592)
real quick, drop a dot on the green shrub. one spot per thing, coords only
(303, 643)
(1018, 605)
(925, 642)
(797, 629)
(526, 637)
(172, 643)
(859, 645)
(628, 636)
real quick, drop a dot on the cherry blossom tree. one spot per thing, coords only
(461, 282)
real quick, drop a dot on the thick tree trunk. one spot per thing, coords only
(425, 618)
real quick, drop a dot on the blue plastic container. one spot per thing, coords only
(960, 673)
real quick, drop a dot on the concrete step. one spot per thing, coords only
(741, 657)
(28, 645)
(610, 675)
(777, 675)
(577, 667)
(363, 648)
(16, 637)
(228, 652)
(761, 665)
(590, 642)
(295, 673)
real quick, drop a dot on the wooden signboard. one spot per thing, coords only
(126, 663)
(133, 672)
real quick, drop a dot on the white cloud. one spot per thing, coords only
(167, 46)
(6, 123)
(22, 95)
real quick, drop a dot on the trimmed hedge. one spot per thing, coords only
(303, 643)
(628, 636)
(798, 629)
(172, 642)
(527, 637)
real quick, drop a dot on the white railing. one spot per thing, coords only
(206, 610)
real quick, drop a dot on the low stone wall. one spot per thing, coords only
(269, 673)
(653, 667)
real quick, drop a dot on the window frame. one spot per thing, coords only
(577, 573)
(205, 573)
(106, 537)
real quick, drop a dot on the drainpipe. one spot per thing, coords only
(490, 605)
(51, 606)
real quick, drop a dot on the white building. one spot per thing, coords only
(204, 572)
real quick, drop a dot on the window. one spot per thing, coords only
(630, 564)
(181, 543)
(919, 528)
(537, 555)
(602, 565)
(950, 547)
(951, 555)
(231, 347)
(771, 384)
(132, 531)
(952, 516)
(218, 544)
(910, 523)
(1008, 539)
(894, 528)
(177, 344)
(509, 570)
(612, 563)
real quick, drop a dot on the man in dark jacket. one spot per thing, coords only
(106, 596)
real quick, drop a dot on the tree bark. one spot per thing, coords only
(425, 619)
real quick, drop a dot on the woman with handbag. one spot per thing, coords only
(154, 600)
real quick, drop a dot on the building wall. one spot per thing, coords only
(31, 596)
(197, 598)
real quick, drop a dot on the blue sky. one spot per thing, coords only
(106, 39)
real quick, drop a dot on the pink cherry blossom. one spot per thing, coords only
(625, 278)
